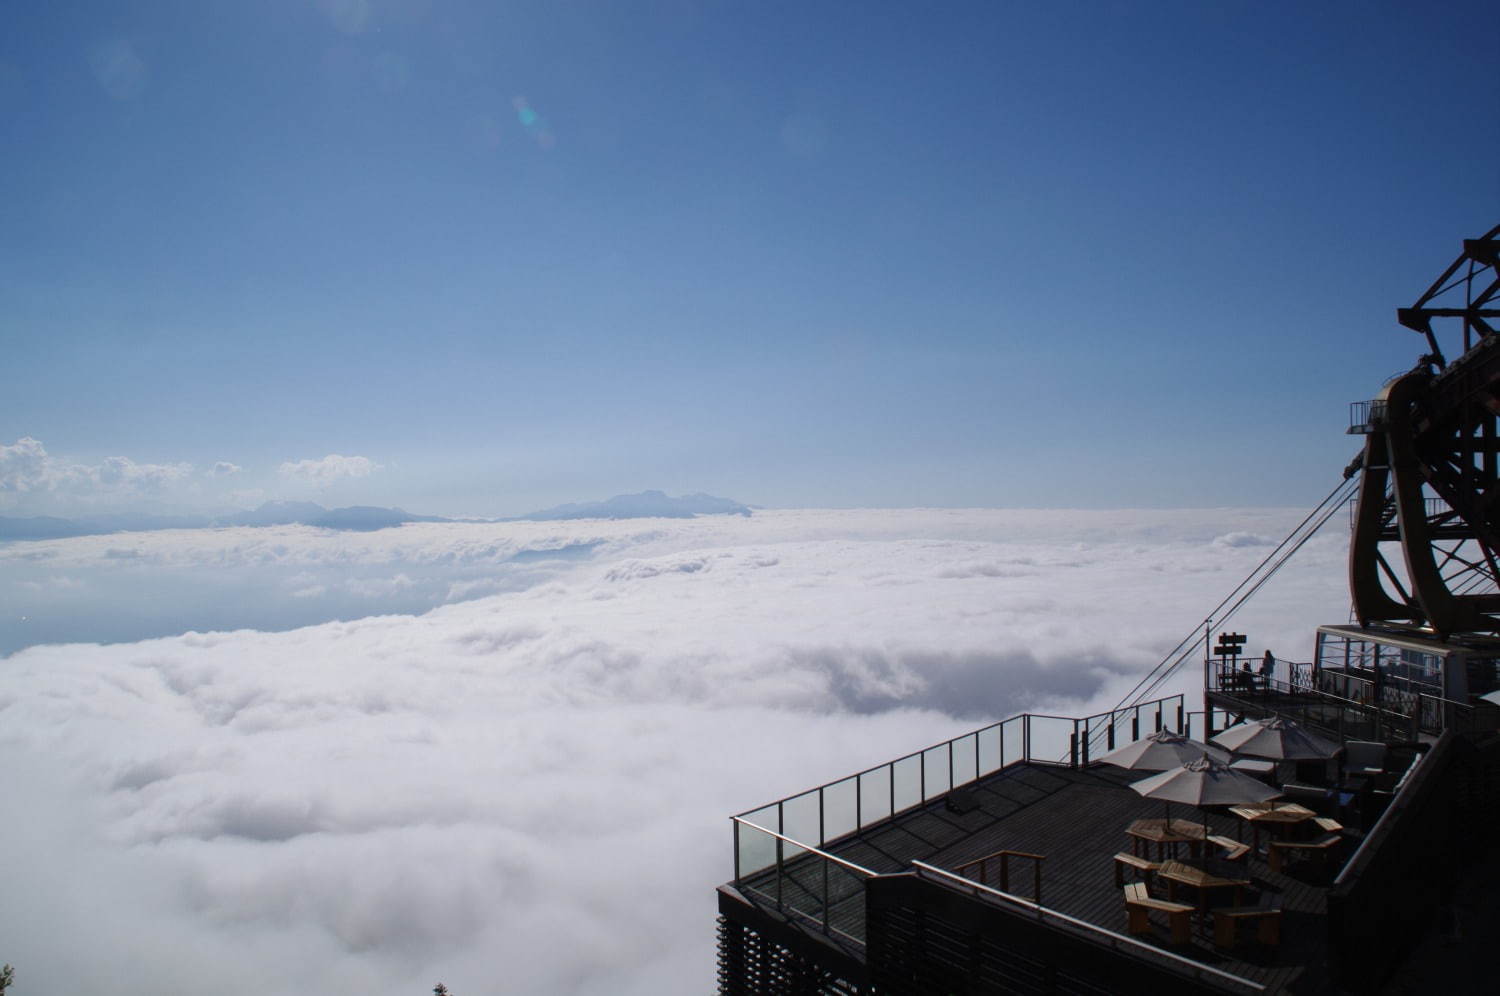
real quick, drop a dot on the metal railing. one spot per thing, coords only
(819, 882)
(1107, 938)
(877, 794)
(1105, 731)
(1365, 416)
(1400, 714)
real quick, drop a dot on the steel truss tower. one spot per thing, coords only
(1431, 464)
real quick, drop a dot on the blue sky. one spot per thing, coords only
(798, 254)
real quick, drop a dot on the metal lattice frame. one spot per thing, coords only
(1431, 484)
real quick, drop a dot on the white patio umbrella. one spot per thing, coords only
(1491, 697)
(1277, 739)
(1160, 751)
(1205, 782)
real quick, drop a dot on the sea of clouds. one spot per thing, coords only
(503, 755)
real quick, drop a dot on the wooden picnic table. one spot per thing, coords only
(1200, 877)
(1162, 833)
(1279, 818)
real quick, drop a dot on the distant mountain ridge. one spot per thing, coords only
(646, 505)
(272, 513)
(361, 518)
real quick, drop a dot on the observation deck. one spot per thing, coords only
(856, 880)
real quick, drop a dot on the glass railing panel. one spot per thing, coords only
(906, 779)
(936, 777)
(840, 808)
(755, 851)
(1013, 739)
(799, 818)
(1093, 734)
(1050, 738)
(874, 795)
(989, 749)
(766, 816)
(966, 759)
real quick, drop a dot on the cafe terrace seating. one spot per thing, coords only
(1138, 907)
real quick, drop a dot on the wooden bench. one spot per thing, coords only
(1328, 824)
(1138, 907)
(1227, 918)
(1234, 850)
(1143, 865)
(1319, 849)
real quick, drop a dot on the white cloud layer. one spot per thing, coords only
(528, 792)
(27, 469)
(329, 469)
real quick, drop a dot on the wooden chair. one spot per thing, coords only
(1143, 865)
(1138, 907)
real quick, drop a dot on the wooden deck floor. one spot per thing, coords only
(1078, 820)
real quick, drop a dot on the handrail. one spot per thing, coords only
(1386, 711)
(1114, 940)
(1007, 851)
(1005, 856)
(1316, 693)
(857, 869)
(826, 922)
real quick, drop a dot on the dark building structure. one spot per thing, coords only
(999, 861)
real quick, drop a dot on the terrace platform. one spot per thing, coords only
(1077, 819)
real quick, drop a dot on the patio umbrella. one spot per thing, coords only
(1276, 738)
(1491, 697)
(1205, 782)
(1160, 751)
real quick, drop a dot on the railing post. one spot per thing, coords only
(1110, 732)
(736, 849)
(822, 839)
(890, 781)
(826, 914)
(1025, 740)
(976, 756)
(1073, 747)
(1135, 724)
(921, 778)
(859, 802)
(1037, 865)
(1004, 872)
(780, 869)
